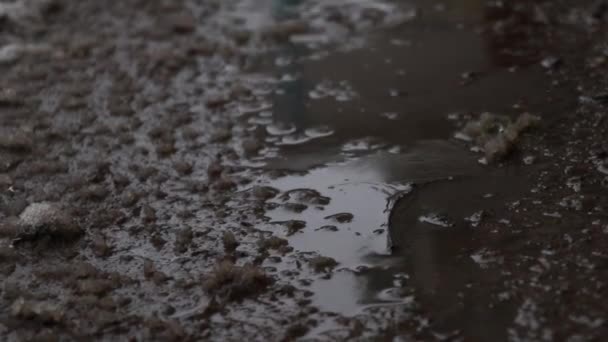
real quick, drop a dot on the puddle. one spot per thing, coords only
(369, 129)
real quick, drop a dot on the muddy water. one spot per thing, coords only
(371, 128)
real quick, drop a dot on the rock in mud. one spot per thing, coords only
(129, 198)
(295, 207)
(328, 228)
(46, 218)
(17, 141)
(293, 226)
(183, 168)
(183, 239)
(341, 217)
(182, 22)
(272, 242)
(235, 283)
(152, 273)
(12, 52)
(322, 264)
(215, 170)
(9, 97)
(551, 62)
(251, 146)
(229, 241)
(223, 184)
(5, 181)
(216, 99)
(95, 192)
(295, 331)
(10, 227)
(148, 214)
(97, 287)
(497, 135)
(305, 196)
(264, 192)
(26, 11)
(34, 310)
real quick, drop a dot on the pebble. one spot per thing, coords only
(48, 218)
(182, 23)
(264, 192)
(35, 310)
(341, 217)
(18, 141)
(251, 146)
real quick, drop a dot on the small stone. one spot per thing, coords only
(33, 310)
(229, 240)
(129, 198)
(341, 217)
(272, 242)
(149, 269)
(9, 97)
(182, 22)
(183, 168)
(264, 192)
(221, 135)
(294, 226)
(216, 99)
(10, 53)
(18, 141)
(251, 146)
(183, 239)
(14, 206)
(224, 184)
(295, 207)
(148, 214)
(98, 287)
(328, 228)
(322, 264)
(529, 160)
(48, 218)
(234, 283)
(215, 170)
(100, 246)
(550, 62)
(10, 227)
(5, 181)
(96, 192)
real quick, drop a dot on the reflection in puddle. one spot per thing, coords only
(369, 128)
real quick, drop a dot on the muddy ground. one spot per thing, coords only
(314, 170)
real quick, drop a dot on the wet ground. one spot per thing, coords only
(315, 170)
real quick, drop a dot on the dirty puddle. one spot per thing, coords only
(371, 175)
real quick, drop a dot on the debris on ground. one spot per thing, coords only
(322, 264)
(45, 218)
(235, 283)
(497, 135)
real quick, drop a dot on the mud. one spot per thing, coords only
(281, 170)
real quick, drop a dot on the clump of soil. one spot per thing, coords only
(20, 141)
(322, 264)
(230, 242)
(341, 217)
(45, 218)
(235, 283)
(34, 310)
(272, 242)
(497, 135)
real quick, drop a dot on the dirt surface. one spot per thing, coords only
(315, 170)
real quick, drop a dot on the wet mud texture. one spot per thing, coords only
(275, 170)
